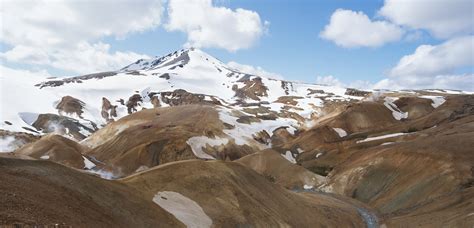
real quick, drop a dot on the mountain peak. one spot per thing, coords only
(174, 59)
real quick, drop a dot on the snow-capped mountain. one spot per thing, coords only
(78, 106)
(191, 70)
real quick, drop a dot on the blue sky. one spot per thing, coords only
(291, 44)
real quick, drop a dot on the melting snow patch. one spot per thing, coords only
(289, 156)
(198, 142)
(437, 100)
(396, 112)
(307, 187)
(45, 157)
(387, 143)
(184, 209)
(87, 163)
(242, 131)
(340, 132)
(381, 137)
(319, 154)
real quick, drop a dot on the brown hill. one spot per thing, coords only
(233, 195)
(44, 193)
(55, 148)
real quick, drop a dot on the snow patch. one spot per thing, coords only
(183, 208)
(242, 132)
(340, 132)
(386, 143)
(437, 100)
(289, 156)
(45, 157)
(87, 163)
(198, 142)
(396, 112)
(307, 187)
(381, 137)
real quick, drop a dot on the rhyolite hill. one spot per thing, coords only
(184, 140)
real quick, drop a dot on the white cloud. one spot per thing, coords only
(253, 70)
(44, 22)
(334, 81)
(11, 72)
(443, 19)
(210, 26)
(329, 80)
(354, 29)
(66, 34)
(429, 67)
(435, 66)
(464, 82)
(430, 60)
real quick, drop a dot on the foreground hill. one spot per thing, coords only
(218, 194)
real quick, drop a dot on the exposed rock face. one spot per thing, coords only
(77, 79)
(315, 91)
(287, 86)
(280, 136)
(155, 101)
(165, 76)
(48, 123)
(70, 105)
(182, 97)
(288, 100)
(133, 102)
(262, 137)
(357, 93)
(253, 89)
(108, 110)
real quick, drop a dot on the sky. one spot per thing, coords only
(392, 44)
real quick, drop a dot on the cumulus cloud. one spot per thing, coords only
(43, 22)
(439, 59)
(464, 82)
(429, 67)
(349, 29)
(207, 25)
(435, 66)
(253, 70)
(62, 34)
(334, 81)
(329, 80)
(442, 19)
